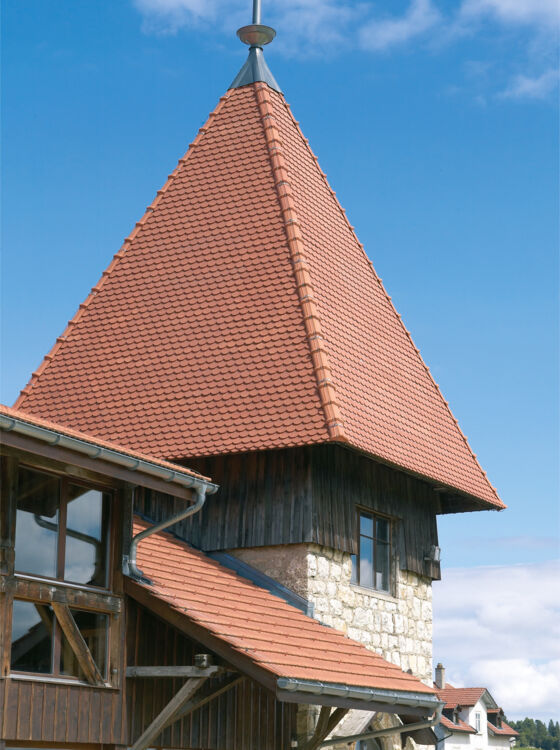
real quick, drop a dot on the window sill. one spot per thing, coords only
(374, 592)
(51, 679)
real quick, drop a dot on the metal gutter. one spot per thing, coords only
(407, 698)
(52, 437)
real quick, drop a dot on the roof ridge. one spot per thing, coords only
(60, 340)
(304, 286)
(389, 299)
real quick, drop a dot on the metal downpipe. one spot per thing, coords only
(389, 731)
(129, 562)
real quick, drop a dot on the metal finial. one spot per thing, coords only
(256, 36)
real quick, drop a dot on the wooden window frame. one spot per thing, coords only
(67, 594)
(373, 514)
(61, 534)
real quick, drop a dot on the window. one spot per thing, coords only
(40, 646)
(62, 530)
(371, 565)
(477, 722)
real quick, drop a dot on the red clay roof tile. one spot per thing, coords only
(243, 314)
(250, 620)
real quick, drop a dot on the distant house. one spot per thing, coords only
(471, 718)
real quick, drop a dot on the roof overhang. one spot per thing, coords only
(24, 434)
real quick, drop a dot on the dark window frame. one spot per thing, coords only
(374, 516)
(61, 534)
(59, 583)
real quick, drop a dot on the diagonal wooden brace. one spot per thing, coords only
(77, 643)
(168, 713)
(326, 723)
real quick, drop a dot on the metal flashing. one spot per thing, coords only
(254, 70)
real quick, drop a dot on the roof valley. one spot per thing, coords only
(304, 286)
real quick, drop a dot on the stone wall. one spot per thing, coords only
(397, 627)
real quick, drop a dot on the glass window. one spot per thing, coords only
(37, 523)
(371, 567)
(93, 627)
(40, 646)
(62, 529)
(87, 517)
(32, 628)
(477, 720)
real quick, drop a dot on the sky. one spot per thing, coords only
(436, 123)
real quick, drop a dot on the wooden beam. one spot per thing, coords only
(77, 643)
(194, 705)
(178, 671)
(97, 469)
(325, 725)
(168, 713)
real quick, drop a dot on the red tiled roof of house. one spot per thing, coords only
(242, 313)
(273, 635)
(460, 726)
(459, 696)
(504, 730)
(48, 425)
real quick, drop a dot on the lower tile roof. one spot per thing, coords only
(460, 726)
(255, 624)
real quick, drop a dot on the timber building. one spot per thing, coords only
(279, 588)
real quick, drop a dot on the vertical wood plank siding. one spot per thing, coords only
(247, 717)
(44, 712)
(307, 494)
(264, 499)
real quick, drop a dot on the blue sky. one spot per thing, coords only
(437, 126)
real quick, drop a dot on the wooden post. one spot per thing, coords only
(168, 713)
(8, 508)
(325, 725)
(77, 643)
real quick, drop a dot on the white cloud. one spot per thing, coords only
(539, 87)
(384, 33)
(499, 627)
(536, 12)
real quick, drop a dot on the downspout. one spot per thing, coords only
(428, 723)
(129, 561)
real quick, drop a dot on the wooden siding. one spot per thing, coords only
(246, 717)
(343, 481)
(302, 495)
(264, 499)
(39, 711)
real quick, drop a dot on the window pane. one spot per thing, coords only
(366, 562)
(93, 627)
(86, 536)
(38, 503)
(382, 566)
(32, 626)
(382, 529)
(366, 525)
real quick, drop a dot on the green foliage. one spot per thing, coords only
(536, 734)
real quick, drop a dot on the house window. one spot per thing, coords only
(371, 564)
(39, 645)
(62, 529)
(477, 722)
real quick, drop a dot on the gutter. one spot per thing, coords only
(407, 699)
(12, 424)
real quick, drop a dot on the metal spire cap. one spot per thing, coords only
(256, 36)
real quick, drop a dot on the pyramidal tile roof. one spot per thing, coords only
(242, 313)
